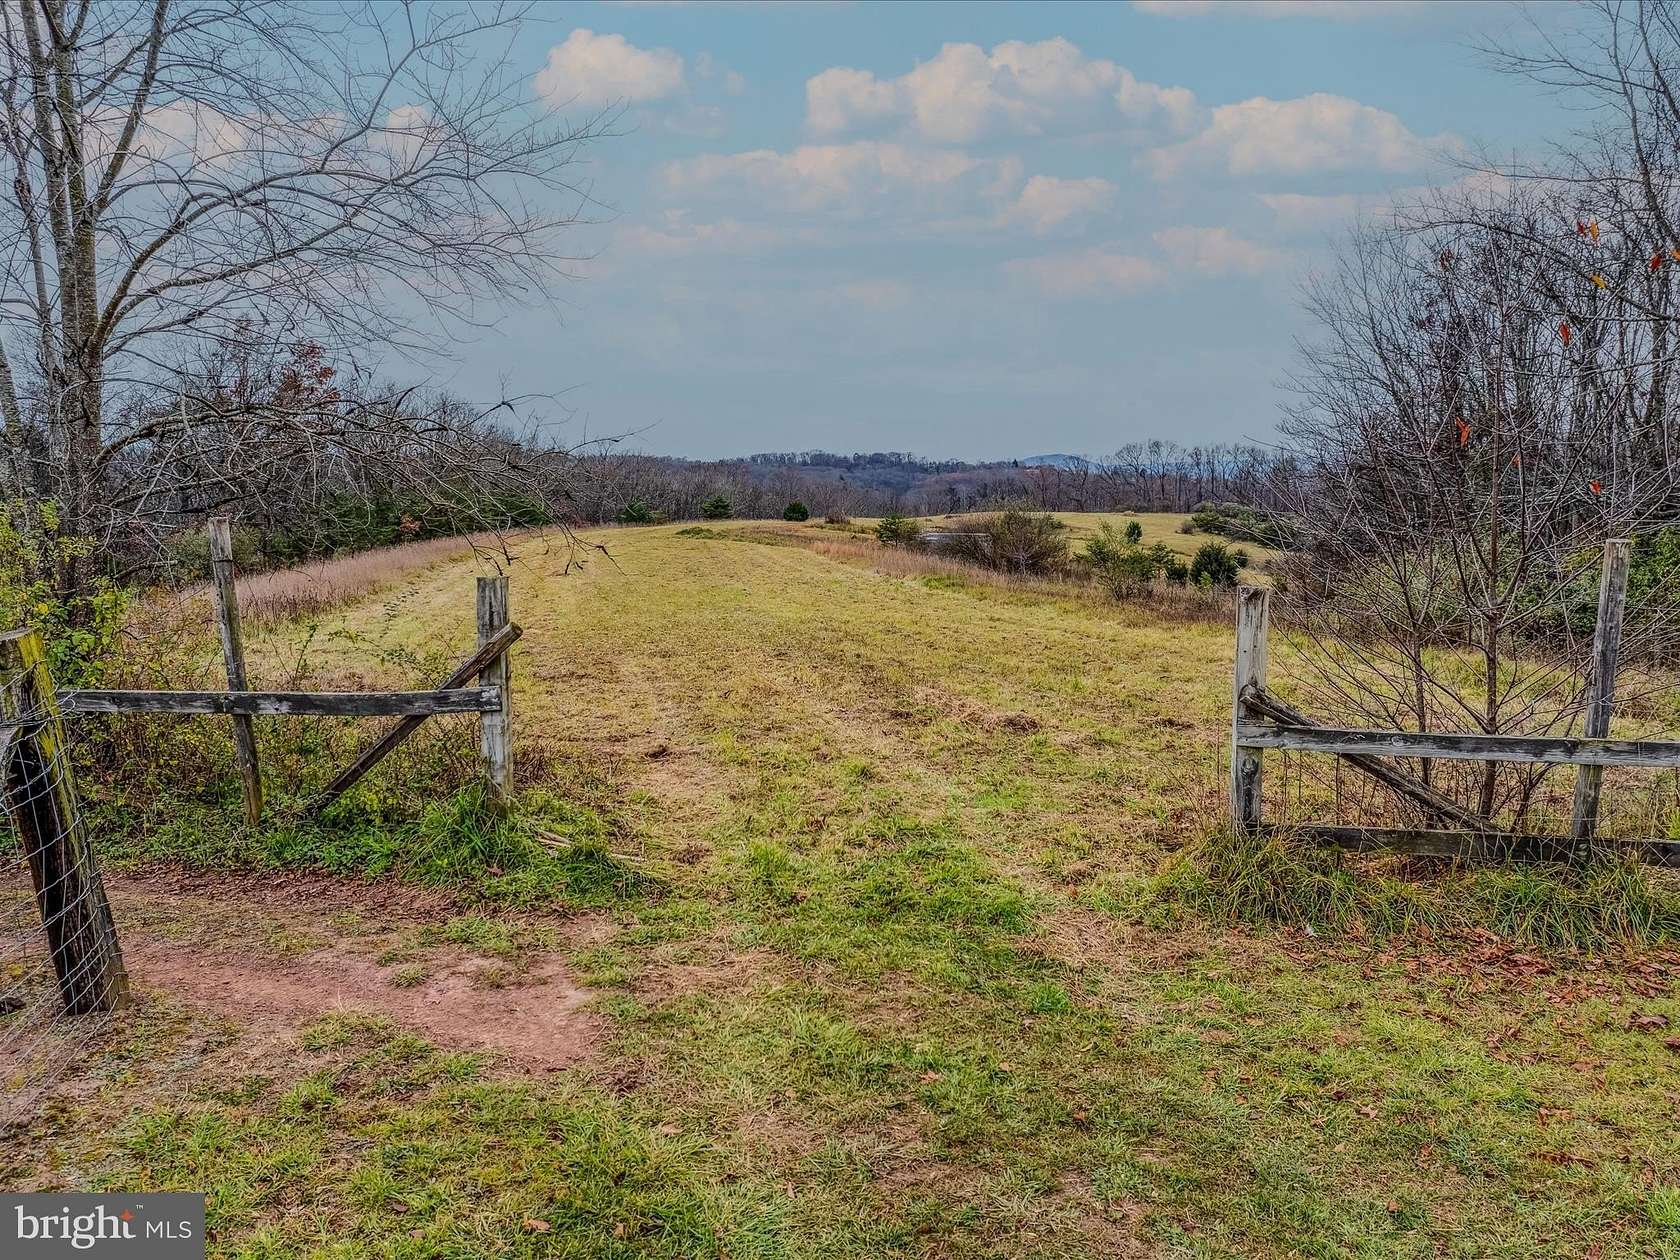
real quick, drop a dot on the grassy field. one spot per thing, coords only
(892, 977)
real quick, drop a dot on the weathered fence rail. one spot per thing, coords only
(38, 786)
(1260, 721)
(286, 703)
(1556, 750)
(1481, 846)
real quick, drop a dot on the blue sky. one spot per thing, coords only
(977, 231)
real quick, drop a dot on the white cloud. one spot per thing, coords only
(1333, 10)
(1112, 271)
(181, 133)
(1088, 273)
(1307, 135)
(408, 132)
(842, 98)
(600, 69)
(848, 178)
(707, 66)
(1047, 202)
(1215, 251)
(1305, 212)
(965, 94)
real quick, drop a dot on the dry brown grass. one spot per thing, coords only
(169, 638)
(309, 589)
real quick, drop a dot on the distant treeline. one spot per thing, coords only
(1156, 476)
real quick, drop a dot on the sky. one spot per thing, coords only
(976, 231)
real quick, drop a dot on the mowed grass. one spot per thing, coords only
(900, 990)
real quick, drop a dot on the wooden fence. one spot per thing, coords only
(1261, 721)
(39, 785)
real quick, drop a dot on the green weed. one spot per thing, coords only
(1279, 879)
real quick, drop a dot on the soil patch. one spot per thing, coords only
(538, 1021)
(277, 890)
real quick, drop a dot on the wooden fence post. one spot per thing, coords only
(496, 728)
(233, 657)
(1253, 616)
(40, 791)
(1601, 690)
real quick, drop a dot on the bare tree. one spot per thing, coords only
(189, 176)
(1475, 419)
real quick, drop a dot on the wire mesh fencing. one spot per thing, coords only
(61, 970)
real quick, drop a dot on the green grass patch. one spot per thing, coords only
(445, 1163)
(1279, 879)
(542, 850)
(901, 894)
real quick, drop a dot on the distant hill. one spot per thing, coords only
(1055, 461)
(1153, 476)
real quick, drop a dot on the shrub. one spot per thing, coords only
(1134, 533)
(1242, 524)
(1016, 542)
(1653, 575)
(637, 513)
(894, 528)
(187, 552)
(1215, 564)
(796, 511)
(837, 518)
(80, 630)
(717, 508)
(1127, 568)
(1104, 547)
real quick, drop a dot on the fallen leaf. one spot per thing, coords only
(535, 1226)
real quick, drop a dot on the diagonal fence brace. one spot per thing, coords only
(477, 663)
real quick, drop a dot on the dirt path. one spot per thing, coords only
(321, 947)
